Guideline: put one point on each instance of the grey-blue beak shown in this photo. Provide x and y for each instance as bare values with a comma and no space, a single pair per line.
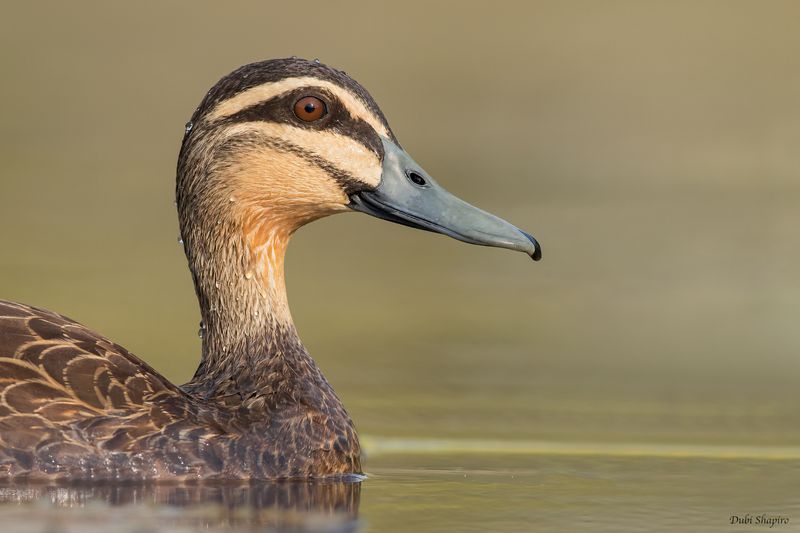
408,195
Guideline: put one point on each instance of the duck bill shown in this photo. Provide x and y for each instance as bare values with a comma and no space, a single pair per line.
408,195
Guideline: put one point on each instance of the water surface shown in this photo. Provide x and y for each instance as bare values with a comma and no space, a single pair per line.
444,491
642,376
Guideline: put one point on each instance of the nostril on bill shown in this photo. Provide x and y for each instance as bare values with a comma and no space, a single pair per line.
416,178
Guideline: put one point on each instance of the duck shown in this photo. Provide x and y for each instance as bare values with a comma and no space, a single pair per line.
273,146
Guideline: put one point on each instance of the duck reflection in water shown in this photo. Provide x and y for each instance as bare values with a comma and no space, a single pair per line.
331,505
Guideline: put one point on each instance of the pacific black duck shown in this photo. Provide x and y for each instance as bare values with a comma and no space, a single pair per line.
272,146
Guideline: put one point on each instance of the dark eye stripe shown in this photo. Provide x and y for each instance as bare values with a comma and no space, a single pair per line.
275,70
280,109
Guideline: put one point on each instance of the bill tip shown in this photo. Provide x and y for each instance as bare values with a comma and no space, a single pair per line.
537,248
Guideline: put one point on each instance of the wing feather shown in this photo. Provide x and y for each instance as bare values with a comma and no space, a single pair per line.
76,363
71,398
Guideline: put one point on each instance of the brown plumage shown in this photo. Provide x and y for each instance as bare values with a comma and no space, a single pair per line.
252,169
77,406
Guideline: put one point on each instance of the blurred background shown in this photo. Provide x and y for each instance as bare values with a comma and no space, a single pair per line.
652,147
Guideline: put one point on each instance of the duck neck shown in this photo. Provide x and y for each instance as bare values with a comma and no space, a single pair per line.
251,354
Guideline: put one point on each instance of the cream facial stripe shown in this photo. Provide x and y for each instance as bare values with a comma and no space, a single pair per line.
341,151
267,91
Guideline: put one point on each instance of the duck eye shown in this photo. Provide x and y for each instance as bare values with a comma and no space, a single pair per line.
310,108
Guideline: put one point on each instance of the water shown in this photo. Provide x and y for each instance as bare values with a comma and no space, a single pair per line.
642,376
417,491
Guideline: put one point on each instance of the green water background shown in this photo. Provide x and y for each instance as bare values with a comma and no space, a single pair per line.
652,147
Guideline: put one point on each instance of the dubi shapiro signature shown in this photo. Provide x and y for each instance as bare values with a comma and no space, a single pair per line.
762,519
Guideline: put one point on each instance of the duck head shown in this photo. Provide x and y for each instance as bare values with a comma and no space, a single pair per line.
280,143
